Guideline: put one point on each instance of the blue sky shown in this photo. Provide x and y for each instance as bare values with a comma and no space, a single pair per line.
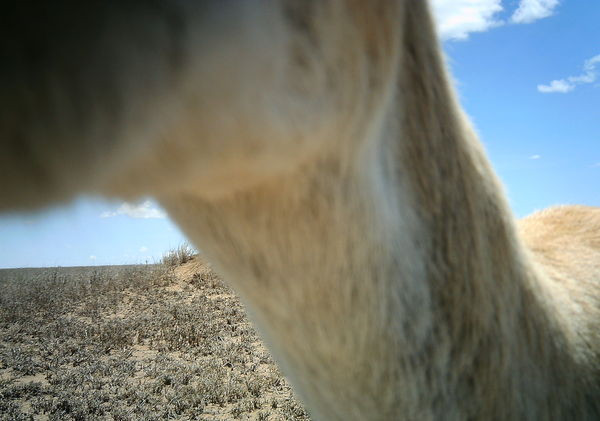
527,72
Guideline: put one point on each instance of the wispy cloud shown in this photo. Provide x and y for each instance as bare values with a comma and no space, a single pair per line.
535,157
532,10
142,210
596,165
92,257
561,86
457,18
143,249
589,75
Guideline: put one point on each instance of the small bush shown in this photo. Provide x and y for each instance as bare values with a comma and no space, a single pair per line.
182,254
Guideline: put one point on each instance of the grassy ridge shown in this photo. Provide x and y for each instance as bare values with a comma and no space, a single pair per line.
136,343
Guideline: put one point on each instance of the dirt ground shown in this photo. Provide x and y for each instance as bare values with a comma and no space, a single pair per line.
133,343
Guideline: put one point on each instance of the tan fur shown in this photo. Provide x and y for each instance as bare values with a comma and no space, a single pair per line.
316,153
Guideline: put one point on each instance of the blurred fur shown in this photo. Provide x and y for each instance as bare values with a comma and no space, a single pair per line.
316,153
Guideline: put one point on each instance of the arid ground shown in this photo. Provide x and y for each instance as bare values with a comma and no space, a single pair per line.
156,342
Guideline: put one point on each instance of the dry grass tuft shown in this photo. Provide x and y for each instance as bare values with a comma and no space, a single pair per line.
132,343
176,257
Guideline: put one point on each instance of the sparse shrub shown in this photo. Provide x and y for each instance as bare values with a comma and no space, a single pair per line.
182,254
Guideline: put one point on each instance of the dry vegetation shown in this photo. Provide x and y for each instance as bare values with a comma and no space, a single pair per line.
134,343
182,254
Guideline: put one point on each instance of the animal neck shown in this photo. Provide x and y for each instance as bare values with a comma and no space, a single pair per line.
395,268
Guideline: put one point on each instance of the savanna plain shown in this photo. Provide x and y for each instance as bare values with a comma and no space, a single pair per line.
168,341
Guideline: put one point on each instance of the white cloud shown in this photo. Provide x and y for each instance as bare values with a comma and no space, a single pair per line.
142,210
532,10
535,157
561,86
92,257
589,75
143,249
457,18
108,214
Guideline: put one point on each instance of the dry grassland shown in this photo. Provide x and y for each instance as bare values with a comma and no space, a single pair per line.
133,343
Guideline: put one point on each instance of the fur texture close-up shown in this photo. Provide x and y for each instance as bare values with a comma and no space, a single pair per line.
315,151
